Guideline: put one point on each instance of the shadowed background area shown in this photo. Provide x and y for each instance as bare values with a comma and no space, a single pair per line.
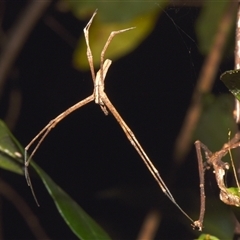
87,154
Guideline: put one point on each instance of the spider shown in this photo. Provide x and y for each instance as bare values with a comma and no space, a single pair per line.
101,98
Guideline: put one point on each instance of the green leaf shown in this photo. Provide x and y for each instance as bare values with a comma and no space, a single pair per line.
207,237
76,218
208,23
121,44
218,220
216,121
114,11
231,79
11,156
113,16
234,191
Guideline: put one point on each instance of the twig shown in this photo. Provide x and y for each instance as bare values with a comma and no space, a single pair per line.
18,36
150,225
204,84
236,112
9,193
215,160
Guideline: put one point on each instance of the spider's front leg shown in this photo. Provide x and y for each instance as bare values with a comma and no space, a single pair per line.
98,80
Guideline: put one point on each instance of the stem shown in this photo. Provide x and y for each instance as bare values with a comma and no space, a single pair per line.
237,62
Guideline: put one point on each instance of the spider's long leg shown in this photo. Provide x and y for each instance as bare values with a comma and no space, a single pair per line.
131,137
104,65
29,183
99,83
89,52
44,132
201,170
102,99
111,36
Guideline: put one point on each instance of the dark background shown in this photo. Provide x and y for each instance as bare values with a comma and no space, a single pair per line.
87,154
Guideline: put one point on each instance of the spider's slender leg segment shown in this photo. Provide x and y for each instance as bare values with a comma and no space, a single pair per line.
201,171
89,52
111,36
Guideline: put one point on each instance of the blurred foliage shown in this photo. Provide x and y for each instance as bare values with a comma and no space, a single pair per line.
114,15
234,191
121,44
10,156
208,23
75,217
114,11
216,121
214,125
231,80
219,220
207,237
